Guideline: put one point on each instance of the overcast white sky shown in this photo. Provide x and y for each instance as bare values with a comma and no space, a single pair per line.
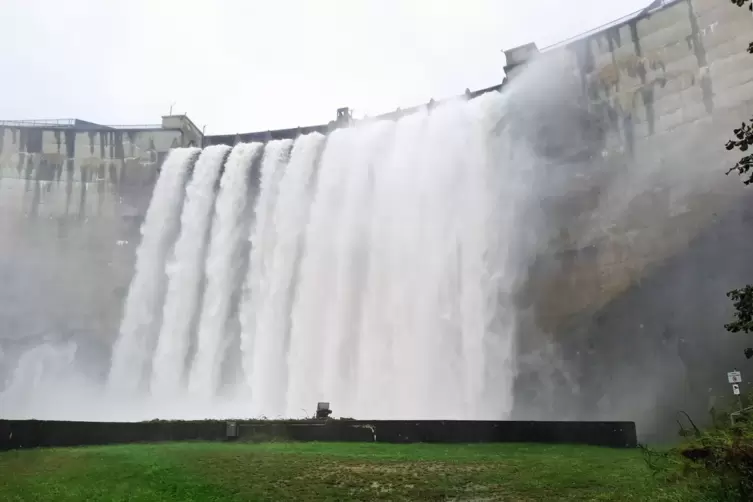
246,65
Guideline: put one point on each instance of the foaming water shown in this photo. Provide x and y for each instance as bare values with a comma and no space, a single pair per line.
262,239
45,368
381,269
222,268
185,273
132,350
267,373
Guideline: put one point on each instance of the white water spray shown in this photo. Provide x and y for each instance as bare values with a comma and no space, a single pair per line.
46,368
133,348
325,319
222,268
380,278
185,273
268,376
263,238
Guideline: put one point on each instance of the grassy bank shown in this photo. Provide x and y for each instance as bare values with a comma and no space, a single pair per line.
331,471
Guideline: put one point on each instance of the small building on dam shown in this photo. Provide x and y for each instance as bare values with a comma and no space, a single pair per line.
622,309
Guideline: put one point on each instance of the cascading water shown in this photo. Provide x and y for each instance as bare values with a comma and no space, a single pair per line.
379,277
267,372
46,366
262,240
185,274
132,350
222,267
321,313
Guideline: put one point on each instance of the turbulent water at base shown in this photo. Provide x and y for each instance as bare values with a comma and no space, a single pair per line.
372,268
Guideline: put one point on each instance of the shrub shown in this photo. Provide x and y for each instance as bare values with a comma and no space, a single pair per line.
722,458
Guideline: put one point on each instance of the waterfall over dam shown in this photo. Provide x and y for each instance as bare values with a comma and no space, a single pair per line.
557,250
372,268
376,277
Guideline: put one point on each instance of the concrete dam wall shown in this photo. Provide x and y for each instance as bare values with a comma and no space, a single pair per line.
650,234
72,197
667,88
625,287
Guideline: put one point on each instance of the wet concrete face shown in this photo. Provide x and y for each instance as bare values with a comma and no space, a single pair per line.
625,305
62,268
70,144
658,347
695,42
118,151
92,139
556,119
70,227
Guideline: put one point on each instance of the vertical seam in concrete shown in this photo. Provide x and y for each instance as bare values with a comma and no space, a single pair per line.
102,144
700,54
614,60
22,154
636,39
628,123
647,90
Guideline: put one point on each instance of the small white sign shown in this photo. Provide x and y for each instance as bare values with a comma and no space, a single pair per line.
735,389
734,377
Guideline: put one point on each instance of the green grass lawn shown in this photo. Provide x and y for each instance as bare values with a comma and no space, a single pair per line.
331,471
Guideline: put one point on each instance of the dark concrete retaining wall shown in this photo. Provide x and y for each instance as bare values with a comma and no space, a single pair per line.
33,433
614,434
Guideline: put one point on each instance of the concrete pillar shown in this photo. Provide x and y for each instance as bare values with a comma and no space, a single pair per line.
343,116
517,57
190,132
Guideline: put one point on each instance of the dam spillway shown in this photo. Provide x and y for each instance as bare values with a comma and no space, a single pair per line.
370,268
606,240
375,277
